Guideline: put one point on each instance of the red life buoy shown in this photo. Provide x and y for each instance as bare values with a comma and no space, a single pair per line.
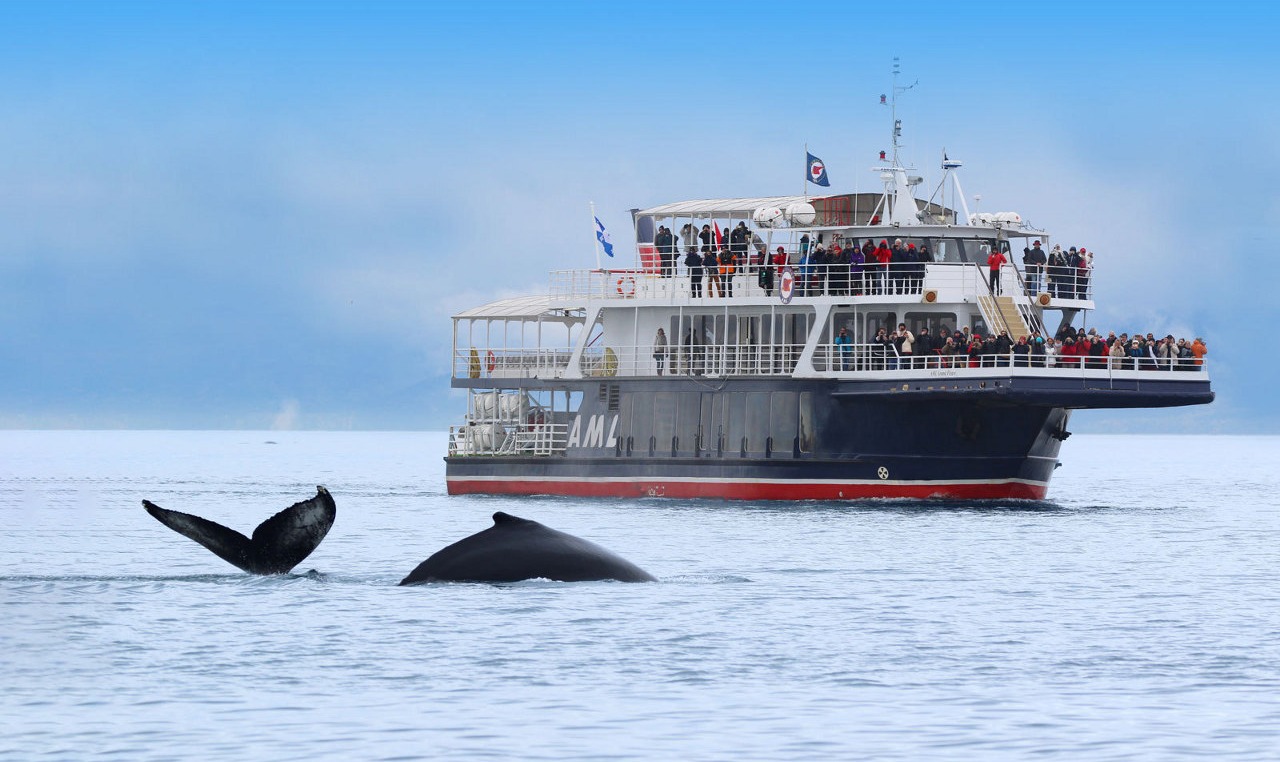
626,286
490,360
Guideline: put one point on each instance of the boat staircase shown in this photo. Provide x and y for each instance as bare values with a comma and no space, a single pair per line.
1002,313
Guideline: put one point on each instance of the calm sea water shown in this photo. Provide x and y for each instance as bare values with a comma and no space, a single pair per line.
1136,615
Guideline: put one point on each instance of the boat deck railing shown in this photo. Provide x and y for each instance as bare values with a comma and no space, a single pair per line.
489,437
952,282
827,360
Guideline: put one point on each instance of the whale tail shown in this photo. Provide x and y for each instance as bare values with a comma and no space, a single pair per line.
278,544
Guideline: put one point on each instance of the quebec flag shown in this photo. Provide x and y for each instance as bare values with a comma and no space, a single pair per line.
602,236
817,171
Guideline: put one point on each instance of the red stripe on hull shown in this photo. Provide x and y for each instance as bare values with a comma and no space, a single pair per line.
750,490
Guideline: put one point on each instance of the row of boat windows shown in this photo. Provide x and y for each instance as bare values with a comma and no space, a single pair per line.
701,423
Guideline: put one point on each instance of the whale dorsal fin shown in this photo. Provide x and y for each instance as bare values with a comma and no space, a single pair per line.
501,518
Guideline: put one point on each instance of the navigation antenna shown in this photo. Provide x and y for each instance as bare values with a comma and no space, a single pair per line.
893,107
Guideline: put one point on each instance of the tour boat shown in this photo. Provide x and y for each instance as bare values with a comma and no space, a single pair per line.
756,394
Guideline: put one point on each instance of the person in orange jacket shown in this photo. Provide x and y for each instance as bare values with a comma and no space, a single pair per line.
1198,350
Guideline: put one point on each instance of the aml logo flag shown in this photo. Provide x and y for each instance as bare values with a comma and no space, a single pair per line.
817,173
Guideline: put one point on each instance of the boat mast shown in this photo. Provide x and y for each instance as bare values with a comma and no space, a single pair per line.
897,186
893,109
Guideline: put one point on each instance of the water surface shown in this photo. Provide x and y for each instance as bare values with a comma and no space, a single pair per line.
1132,616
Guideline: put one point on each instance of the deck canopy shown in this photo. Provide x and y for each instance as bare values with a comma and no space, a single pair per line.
722,207
837,210
526,308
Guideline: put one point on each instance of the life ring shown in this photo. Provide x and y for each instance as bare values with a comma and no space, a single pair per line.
490,361
930,296
626,287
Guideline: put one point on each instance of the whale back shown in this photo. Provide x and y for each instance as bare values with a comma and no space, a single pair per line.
515,549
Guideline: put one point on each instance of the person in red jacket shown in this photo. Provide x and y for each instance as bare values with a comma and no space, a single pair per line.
1069,354
995,262
883,255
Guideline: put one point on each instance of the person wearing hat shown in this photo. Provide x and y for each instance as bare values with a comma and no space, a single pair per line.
1033,262
857,265
1116,355
1072,273
1057,271
974,351
882,254
1083,271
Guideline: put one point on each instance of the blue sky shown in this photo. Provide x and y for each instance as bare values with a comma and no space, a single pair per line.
223,215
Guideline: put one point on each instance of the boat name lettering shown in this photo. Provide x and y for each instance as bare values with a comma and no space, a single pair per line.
594,435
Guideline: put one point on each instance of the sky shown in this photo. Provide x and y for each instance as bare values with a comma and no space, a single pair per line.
262,215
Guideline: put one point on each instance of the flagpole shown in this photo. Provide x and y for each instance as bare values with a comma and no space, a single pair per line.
806,171
594,228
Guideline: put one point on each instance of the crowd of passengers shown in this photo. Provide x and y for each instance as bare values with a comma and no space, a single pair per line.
1071,347
712,259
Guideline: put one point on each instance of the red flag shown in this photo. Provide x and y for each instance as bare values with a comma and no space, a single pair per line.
716,229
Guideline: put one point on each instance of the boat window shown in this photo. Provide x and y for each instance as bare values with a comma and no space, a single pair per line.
877,320
783,420
806,422
977,250
979,326
624,418
757,421
946,250
931,320
688,414
736,417
713,408
664,417
848,321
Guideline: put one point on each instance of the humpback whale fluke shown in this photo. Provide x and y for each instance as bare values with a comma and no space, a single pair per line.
278,544
515,549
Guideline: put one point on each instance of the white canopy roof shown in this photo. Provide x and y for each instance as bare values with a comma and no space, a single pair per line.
529,308
721,207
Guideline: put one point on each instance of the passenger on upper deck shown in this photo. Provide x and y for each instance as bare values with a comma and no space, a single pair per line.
689,234
727,269
1057,271
856,263
693,261
711,268
1083,271
995,261
665,242
1198,350
897,266
1033,262
883,255
738,241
